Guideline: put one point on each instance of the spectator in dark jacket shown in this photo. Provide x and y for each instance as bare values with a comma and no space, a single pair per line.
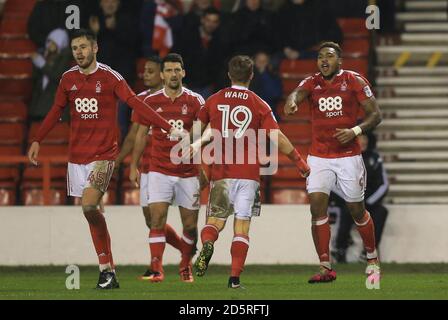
117,33
251,29
47,72
302,24
266,83
203,53
48,15
376,190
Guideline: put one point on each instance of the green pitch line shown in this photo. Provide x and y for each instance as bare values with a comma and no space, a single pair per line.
405,281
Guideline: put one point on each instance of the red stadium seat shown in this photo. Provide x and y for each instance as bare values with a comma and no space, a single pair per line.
13,112
289,196
22,48
13,27
356,48
16,88
353,27
57,171
297,69
11,150
60,134
7,193
12,133
359,65
32,193
16,67
9,172
19,6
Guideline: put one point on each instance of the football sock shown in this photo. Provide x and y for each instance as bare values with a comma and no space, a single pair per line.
209,233
366,230
188,243
320,229
172,238
157,242
238,250
101,239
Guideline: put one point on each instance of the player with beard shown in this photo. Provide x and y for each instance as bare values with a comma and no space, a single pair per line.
169,182
335,156
92,89
153,81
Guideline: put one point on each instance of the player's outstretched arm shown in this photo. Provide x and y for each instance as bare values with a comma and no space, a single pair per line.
137,151
128,145
294,99
204,139
285,146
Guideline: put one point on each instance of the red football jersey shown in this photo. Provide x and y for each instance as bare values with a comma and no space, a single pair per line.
334,105
180,113
146,157
237,109
93,102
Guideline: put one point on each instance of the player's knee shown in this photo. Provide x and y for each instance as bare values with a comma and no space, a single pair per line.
318,210
89,209
190,228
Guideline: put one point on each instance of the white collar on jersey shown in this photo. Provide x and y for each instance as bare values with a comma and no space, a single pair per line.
164,93
91,72
239,87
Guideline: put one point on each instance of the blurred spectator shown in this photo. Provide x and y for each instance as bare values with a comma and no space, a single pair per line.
251,29
302,24
203,53
117,33
266,83
48,69
160,24
376,190
48,15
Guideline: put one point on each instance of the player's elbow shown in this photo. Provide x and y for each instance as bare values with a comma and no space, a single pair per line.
378,118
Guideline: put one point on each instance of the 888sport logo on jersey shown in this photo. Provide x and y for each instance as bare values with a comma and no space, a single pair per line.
332,106
88,108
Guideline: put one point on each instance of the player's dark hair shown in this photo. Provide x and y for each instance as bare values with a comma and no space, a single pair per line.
173,57
155,59
79,33
241,68
211,10
333,45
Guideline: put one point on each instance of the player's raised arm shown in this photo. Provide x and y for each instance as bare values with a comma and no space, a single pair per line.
294,99
137,151
372,112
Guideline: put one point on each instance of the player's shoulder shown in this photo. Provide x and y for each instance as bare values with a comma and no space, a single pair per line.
74,71
310,79
355,76
194,95
109,71
154,95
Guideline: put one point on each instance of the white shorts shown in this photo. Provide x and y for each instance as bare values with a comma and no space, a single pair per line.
144,197
185,192
239,196
346,176
96,174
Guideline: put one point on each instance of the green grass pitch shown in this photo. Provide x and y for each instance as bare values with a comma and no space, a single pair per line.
273,282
